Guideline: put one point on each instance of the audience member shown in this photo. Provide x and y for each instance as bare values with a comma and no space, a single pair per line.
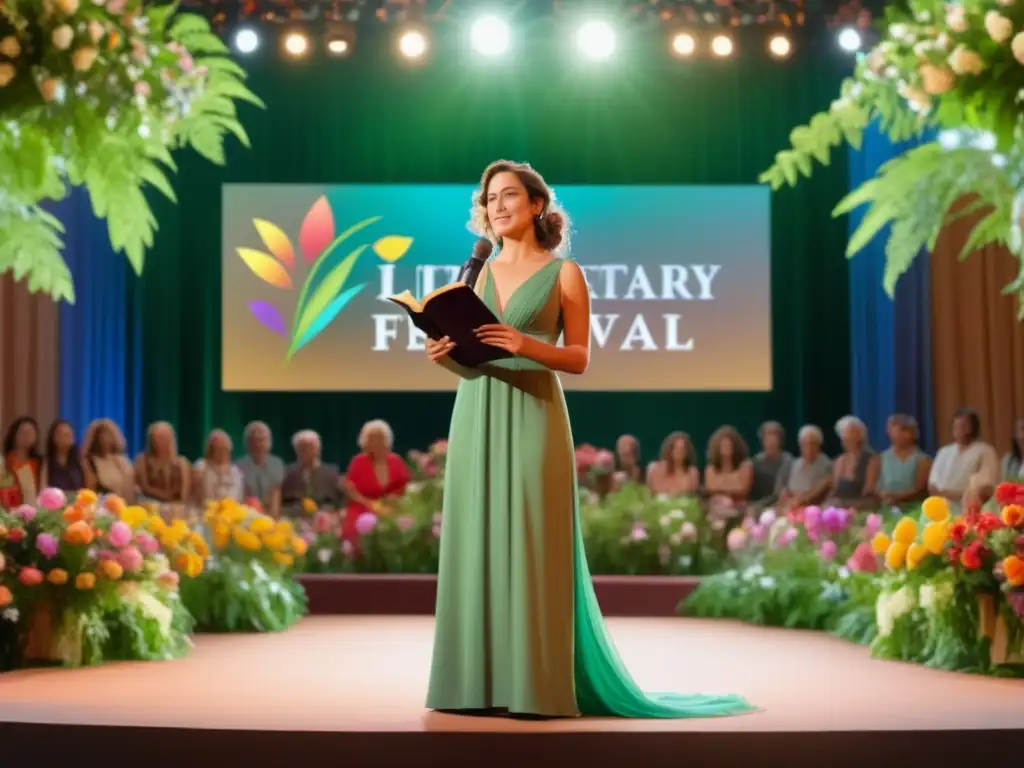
161,474
62,463
1013,462
263,471
728,476
107,469
309,478
376,477
771,466
855,472
675,473
810,477
904,474
22,458
967,470
216,478
627,457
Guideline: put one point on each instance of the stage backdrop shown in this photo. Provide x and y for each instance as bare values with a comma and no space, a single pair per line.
680,293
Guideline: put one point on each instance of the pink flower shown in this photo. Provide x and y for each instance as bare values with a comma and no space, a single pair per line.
47,545
437,518
52,498
873,524
688,532
439,448
785,538
116,6
863,559
106,554
405,522
736,540
147,543
30,577
639,532
120,534
365,523
168,579
142,88
27,512
828,550
811,516
347,549
757,531
323,522
436,530
130,558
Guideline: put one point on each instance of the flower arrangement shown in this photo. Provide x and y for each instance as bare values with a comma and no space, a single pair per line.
91,580
248,584
955,67
98,93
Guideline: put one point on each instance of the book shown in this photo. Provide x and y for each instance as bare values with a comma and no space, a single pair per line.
455,311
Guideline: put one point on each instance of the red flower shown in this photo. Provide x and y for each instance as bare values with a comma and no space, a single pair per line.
1009,493
15,535
971,557
958,530
988,523
954,555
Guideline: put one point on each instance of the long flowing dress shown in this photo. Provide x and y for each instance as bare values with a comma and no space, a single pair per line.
518,627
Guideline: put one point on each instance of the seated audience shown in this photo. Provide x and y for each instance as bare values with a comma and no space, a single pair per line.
728,476
855,472
810,477
62,463
1013,463
107,469
161,474
627,456
376,477
967,470
309,478
904,474
675,473
771,465
263,472
22,459
216,478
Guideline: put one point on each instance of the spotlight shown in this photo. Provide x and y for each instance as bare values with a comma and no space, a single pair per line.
721,46
412,44
489,36
850,40
339,39
683,44
296,44
779,46
596,40
246,41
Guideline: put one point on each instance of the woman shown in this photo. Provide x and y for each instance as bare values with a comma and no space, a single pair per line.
856,470
22,458
216,478
107,469
810,478
375,478
162,475
1013,462
904,467
627,456
518,627
62,466
675,473
728,477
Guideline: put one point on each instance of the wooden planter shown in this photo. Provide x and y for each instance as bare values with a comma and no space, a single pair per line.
40,644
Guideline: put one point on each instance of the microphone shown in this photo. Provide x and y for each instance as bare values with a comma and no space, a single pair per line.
471,269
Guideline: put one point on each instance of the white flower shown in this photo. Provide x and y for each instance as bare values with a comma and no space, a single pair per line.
767,582
10,47
665,521
956,18
964,61
688,531
675,539
1017,46
62,37
685,561
717,525
898,31
10,614
83,58
677,514
999,27
323,555
943,41
843,573
7,74
768,517
95,31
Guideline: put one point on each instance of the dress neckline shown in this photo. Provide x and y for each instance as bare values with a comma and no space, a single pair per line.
494,285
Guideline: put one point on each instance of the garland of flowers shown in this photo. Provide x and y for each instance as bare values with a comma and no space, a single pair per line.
955,66
99,93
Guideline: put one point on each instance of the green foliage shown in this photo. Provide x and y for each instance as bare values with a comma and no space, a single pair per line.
243,596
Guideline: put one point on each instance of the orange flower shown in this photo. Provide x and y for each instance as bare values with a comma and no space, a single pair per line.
6,598
78,532
86,497
308,506
111,569
74,513
299,546
57,576
1013,569
85,581
283,559
115,504
1013,515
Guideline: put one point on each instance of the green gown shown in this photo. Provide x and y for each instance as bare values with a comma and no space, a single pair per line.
518,627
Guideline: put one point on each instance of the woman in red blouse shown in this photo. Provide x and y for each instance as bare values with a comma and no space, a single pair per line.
374,478
22,459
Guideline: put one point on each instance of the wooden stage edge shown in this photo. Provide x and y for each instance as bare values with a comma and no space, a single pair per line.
414,594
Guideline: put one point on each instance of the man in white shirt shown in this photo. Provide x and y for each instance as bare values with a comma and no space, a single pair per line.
968,469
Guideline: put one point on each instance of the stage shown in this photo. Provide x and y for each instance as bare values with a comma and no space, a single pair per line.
351,690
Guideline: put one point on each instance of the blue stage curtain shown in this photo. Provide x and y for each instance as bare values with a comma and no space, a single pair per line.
890,339
100,334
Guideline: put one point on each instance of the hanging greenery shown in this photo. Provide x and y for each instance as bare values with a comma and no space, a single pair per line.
99,93
956,67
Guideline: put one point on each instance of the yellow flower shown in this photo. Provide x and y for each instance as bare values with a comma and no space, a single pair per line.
199,544
85,498
57,576
111,569
261,525
916,553
935,536
896,555
189,564
275,542
85,581
880,544
233,513
156,525
299,546
247,540
308,506
221,534
285,527
134,516
936,509
283,559
905,531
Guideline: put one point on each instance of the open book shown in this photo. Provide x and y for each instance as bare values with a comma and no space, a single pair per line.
454,311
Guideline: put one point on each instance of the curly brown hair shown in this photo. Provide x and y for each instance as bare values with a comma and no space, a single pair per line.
551,226
740,451
689,452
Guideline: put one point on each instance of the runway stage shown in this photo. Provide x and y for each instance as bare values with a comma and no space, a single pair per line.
350,690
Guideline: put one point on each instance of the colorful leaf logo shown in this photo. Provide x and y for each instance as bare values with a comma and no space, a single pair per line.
323,294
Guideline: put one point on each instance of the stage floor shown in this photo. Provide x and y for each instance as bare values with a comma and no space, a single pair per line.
369,674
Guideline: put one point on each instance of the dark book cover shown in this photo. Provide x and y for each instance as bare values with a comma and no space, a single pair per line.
454,311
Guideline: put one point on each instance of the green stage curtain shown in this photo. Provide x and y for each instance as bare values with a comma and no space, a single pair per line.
635,120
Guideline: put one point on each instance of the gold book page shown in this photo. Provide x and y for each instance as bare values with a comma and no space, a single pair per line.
441,290
407,299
